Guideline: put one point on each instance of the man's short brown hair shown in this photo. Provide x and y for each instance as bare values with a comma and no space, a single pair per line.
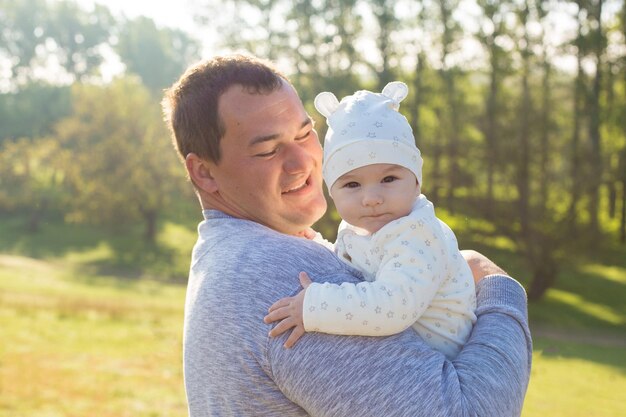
190,106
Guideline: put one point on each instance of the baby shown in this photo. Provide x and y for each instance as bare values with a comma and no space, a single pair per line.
415,275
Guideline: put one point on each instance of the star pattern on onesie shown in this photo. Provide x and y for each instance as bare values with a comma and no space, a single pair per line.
412,245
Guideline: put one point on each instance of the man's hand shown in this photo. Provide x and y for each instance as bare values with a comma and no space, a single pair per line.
480,265
289,311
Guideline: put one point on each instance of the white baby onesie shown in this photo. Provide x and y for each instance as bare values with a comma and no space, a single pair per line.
415,276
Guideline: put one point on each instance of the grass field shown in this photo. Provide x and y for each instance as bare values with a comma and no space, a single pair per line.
84,335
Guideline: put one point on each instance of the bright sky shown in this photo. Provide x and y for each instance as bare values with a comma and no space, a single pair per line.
179,14
164,13
173,13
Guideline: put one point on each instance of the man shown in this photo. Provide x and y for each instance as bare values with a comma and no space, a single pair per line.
255,161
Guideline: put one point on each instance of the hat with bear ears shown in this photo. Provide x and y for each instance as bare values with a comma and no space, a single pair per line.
366,128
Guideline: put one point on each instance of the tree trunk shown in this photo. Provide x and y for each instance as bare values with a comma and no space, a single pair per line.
545,138
383,10
545,273
622,168
612,110
36,214
417,102
435,182
622,238
575,167
612,198
150,218
453,129
491,130
594,128
453,140
493,14
523,168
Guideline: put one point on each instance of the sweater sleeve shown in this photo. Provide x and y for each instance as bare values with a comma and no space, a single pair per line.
400,375
411,271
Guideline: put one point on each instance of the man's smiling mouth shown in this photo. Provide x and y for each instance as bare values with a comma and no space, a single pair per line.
297,188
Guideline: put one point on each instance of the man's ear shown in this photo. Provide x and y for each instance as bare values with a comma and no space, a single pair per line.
199,172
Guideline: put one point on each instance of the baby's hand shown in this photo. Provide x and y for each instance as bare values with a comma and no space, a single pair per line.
289,311
308,233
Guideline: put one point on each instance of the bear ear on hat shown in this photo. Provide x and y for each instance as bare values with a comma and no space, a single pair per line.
326,103
396,91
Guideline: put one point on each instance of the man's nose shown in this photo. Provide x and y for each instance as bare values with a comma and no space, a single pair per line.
297,160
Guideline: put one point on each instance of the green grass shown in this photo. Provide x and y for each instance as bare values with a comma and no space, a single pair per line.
92,324
77,344
119,250
576,380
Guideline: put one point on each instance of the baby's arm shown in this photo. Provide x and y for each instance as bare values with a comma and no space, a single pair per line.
411,272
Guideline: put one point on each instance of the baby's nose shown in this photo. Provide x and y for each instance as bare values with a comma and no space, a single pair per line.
372,198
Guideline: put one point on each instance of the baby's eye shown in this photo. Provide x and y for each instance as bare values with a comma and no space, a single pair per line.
389,178
351,184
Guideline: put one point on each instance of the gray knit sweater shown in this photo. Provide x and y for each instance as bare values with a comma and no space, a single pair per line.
232,368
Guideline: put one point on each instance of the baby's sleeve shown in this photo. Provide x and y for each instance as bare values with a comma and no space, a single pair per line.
410,273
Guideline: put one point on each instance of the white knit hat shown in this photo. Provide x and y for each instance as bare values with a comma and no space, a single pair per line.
366,128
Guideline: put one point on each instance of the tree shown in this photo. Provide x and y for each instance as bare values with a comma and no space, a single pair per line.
31,178
119,161
491,34
157,55
421,65
256,26
538,247
79,36
598,43
324,55
578,121
451,121
28,112
21,26
622,159
384,14
37,34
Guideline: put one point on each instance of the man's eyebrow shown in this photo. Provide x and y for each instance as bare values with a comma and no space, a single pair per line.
266,138
260,139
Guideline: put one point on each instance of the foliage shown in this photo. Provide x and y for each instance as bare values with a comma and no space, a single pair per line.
119,161
30,178
157,56
507,134
28,112
40,34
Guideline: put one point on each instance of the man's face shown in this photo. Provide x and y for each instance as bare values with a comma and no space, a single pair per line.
270,168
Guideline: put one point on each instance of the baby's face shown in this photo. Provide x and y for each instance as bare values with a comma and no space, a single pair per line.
371,196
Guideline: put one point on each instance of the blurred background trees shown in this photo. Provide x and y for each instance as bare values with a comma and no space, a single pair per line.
519,107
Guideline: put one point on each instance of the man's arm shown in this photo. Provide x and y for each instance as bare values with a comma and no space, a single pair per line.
401,375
